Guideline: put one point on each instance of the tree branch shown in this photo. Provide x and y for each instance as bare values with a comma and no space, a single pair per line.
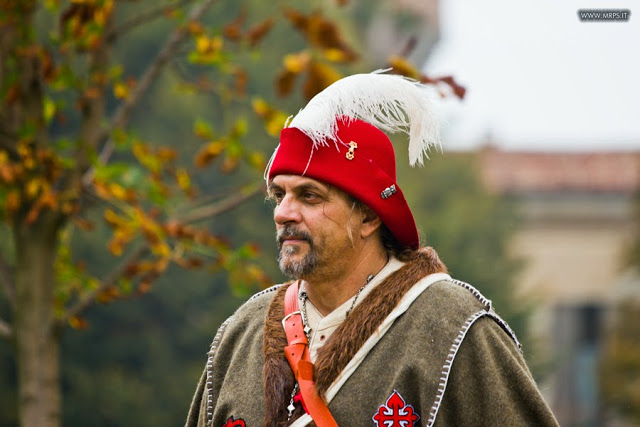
208,211
92,111
5,329
7,281
89,299
143,18
198,214
123,113
195,215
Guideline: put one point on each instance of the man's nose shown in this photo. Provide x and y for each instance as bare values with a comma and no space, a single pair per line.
288,210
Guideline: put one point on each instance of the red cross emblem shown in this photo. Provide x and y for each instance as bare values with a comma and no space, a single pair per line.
395,413
234,423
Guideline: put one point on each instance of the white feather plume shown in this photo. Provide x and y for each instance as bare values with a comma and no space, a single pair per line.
389,102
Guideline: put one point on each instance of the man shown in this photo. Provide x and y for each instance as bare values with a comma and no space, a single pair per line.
372,331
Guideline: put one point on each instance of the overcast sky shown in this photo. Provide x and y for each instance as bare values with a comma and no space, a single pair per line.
537,77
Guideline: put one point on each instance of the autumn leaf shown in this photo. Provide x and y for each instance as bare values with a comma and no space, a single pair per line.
48,109
35,186
457,89
77,322
209,153
257,33
285,81
206,45
202,129
144,155
70,208
118,191
321,33
12,201
256,160
260,107
132,270
173,228
83,224
166,154
336,55
257,274
230,163
273,119
195,28
108,295
183,179
207,49
189,263
320,76
113,219
7,169
240,81
145,284
49,199
403,67
92,92
48,68
233,30
121,237
249,250
297,62
12,94
120,90
161,249
161,265
101,14
76,15
33,213
299,20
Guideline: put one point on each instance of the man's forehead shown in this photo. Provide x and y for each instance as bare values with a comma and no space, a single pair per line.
297,181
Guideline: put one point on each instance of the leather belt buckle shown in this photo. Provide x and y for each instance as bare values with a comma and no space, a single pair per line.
287,318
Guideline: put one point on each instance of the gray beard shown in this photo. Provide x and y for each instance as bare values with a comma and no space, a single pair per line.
296,269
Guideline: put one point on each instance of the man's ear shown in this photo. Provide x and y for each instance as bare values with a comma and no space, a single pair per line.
370,223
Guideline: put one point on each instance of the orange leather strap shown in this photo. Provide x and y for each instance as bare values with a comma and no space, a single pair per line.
297,354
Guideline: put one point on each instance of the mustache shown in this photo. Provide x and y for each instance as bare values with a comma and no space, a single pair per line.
289,231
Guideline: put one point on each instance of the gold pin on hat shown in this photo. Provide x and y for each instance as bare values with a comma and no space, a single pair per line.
351,152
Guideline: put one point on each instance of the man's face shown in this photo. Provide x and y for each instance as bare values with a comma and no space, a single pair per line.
315,224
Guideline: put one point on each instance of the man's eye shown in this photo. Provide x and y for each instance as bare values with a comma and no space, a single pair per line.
277,196
310,196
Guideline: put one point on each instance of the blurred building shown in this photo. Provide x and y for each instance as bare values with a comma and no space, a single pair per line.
578,220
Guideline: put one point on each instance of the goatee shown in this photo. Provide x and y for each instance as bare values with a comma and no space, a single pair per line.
292,268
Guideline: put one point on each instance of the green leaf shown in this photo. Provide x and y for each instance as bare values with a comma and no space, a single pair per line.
133,176
203,129
240,128
49,109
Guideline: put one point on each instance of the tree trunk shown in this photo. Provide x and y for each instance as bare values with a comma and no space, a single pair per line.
37,340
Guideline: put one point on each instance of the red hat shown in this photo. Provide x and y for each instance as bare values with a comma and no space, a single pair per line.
326,142
367,171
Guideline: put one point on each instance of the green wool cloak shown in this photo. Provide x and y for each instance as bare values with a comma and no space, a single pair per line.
421,348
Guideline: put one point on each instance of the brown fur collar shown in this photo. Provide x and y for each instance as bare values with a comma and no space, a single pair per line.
278,379
277,376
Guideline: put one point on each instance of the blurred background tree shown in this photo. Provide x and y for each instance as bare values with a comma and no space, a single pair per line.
620,362
72,83
133,136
